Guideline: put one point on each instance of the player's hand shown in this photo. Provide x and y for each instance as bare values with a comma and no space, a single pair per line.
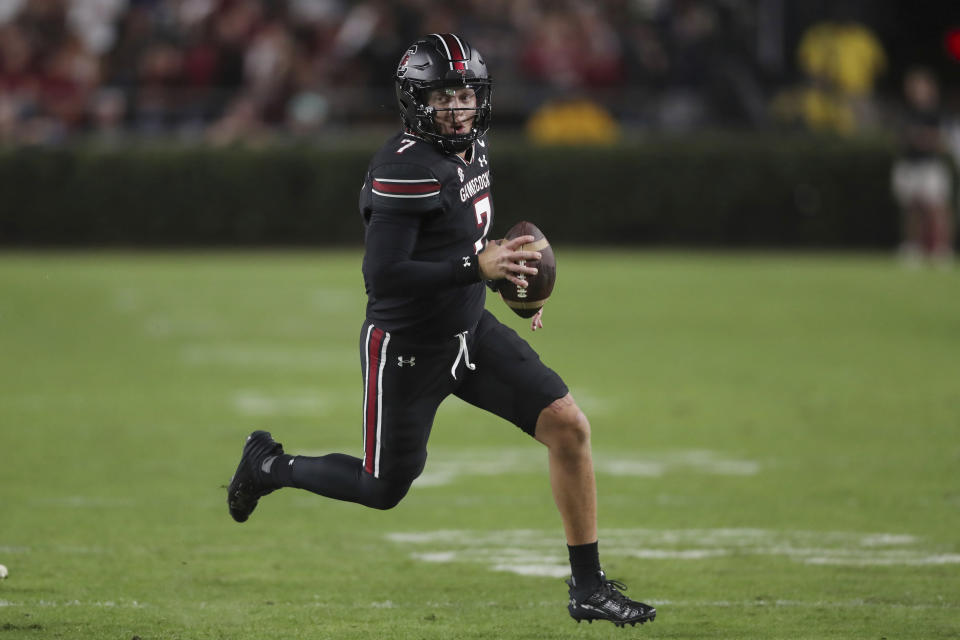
503,260
536,322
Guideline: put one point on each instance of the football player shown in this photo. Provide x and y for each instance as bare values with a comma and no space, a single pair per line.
427,206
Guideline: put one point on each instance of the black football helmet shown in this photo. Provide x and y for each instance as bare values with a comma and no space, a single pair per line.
441,61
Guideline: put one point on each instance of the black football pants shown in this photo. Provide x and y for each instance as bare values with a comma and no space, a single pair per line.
405,381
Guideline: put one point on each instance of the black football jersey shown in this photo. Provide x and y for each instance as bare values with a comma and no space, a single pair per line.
427,214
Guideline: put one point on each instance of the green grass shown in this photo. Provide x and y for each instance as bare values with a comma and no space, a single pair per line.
777,440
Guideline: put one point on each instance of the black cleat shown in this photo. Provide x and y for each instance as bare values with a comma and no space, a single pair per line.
607,603
248,485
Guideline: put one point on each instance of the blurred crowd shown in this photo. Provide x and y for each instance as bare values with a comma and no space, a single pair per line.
223,70
251,71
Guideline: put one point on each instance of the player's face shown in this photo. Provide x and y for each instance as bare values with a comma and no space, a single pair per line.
463,100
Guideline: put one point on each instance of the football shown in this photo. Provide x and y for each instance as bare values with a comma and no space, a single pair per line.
526,301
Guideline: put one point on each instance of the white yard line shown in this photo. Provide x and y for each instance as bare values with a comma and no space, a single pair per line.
537,553
447,465
267,356
303,402
107,604
549,604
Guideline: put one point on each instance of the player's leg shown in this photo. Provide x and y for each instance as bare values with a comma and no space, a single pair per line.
512,382
399,404
559,424
403,386
264,468
565,431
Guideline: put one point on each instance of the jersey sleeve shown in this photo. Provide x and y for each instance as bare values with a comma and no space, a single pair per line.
404,189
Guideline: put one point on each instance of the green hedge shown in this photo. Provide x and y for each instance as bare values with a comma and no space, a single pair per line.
723,191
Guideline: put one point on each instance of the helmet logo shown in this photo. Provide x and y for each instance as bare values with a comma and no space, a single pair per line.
402,67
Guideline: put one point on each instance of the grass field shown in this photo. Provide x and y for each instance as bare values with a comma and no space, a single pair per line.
777,440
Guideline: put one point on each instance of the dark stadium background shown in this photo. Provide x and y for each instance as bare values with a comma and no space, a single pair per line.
220,122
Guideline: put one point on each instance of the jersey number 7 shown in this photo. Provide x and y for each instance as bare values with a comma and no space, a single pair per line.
481,207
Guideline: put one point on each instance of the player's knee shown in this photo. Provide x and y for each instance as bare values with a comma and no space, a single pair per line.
576,428
388,495
563,426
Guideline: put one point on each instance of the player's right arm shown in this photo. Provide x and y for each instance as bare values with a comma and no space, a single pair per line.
401,197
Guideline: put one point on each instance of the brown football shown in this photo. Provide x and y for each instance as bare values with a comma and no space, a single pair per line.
526,301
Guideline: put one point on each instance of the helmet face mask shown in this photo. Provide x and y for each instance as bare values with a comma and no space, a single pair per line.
442,61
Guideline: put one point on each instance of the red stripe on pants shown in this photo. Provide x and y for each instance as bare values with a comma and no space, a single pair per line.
373,370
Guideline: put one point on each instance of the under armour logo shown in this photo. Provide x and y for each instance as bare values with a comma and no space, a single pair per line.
460,173
483,160
466,261
410,362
